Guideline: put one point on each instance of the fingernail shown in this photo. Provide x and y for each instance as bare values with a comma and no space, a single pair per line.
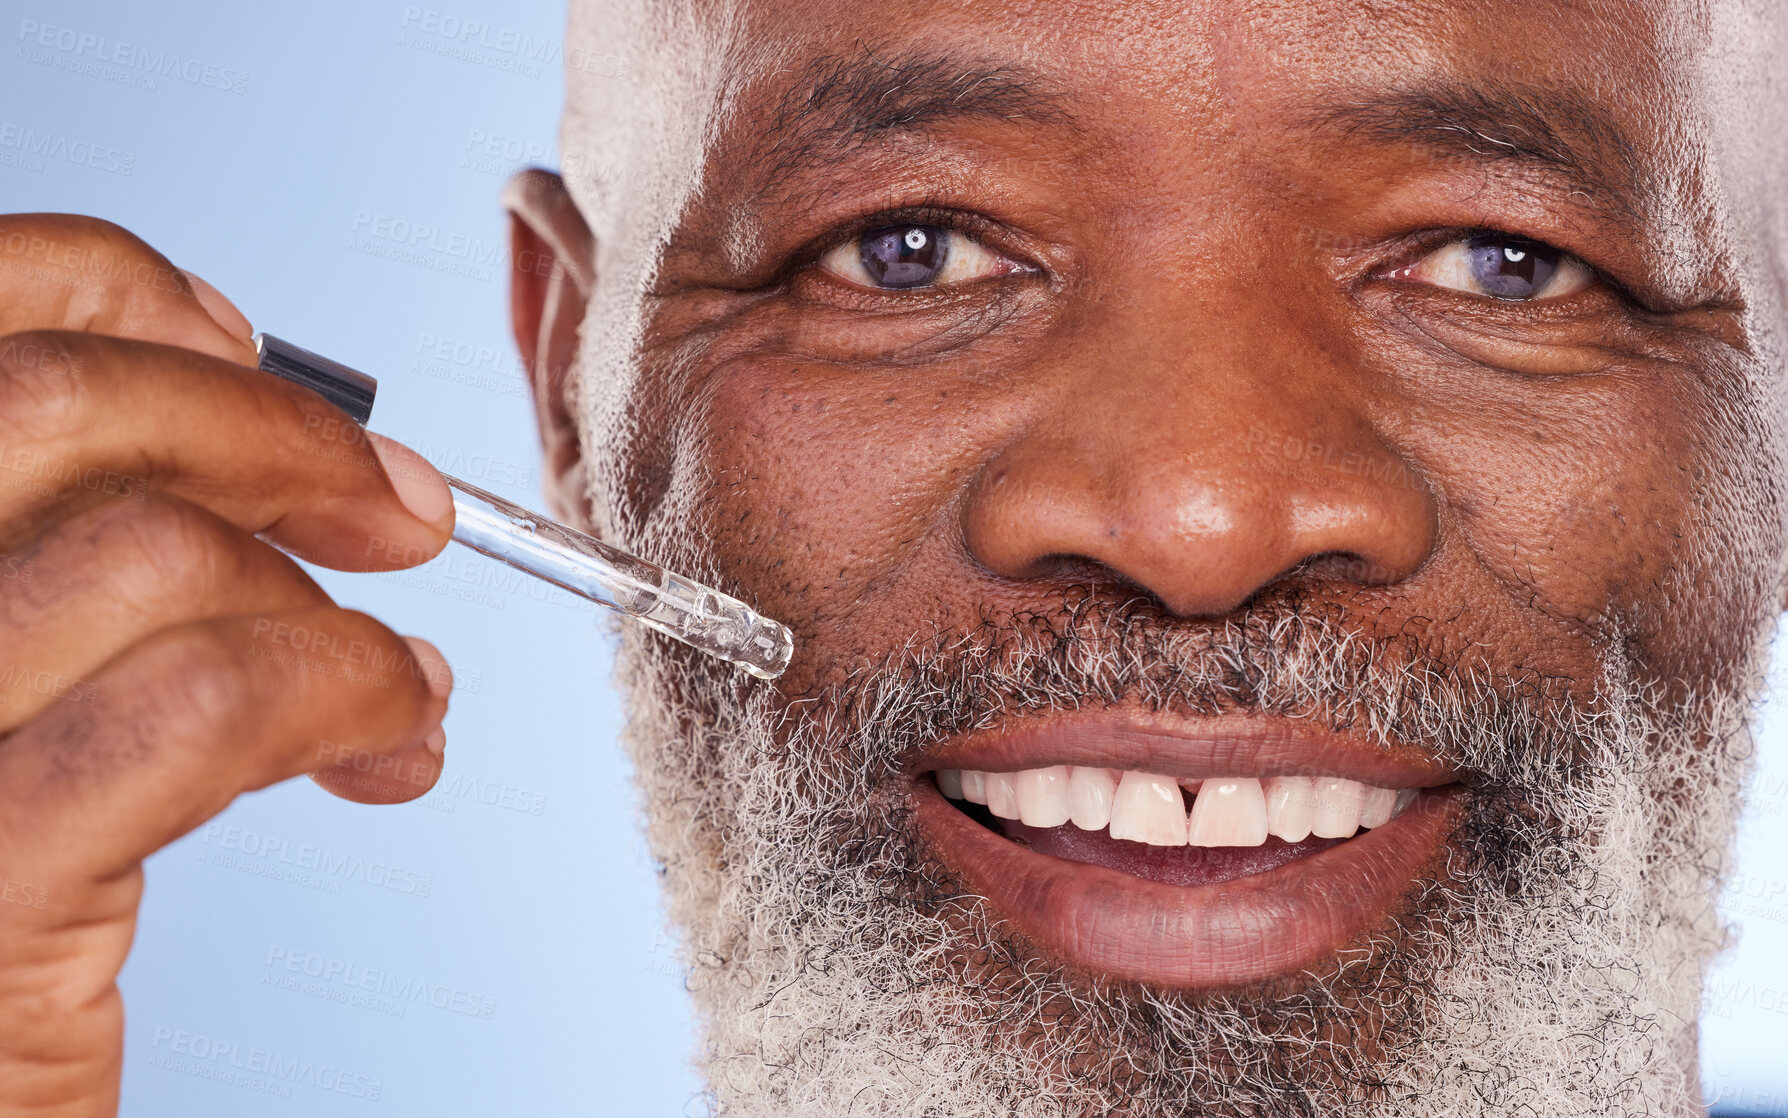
431,666
222,311
419,485
436,742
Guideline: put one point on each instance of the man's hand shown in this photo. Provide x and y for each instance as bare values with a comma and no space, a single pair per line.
157,658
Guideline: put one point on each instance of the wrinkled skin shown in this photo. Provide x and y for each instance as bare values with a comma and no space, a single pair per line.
1208,380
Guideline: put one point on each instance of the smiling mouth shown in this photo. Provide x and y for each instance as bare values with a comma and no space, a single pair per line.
1186,832
1130,848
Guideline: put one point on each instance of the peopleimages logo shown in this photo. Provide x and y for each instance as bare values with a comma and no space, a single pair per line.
494,153
349,978
430,246
27,147
253,1068
500,48
480,469
83,52
306,863
477,366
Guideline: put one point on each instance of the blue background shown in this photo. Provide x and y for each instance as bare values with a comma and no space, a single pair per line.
496,948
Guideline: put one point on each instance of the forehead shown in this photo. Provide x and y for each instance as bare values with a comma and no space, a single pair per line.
1205,66
742,67
1138,38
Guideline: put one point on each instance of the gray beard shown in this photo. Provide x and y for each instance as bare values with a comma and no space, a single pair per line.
838,968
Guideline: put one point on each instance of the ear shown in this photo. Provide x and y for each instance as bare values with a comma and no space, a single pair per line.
552,272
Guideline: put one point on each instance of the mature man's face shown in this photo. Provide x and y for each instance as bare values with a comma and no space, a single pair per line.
1217,392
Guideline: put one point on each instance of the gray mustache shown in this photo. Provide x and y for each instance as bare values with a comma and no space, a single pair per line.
1295,659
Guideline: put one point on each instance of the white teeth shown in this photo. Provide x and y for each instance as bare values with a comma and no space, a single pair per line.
1002,797
1043,796
1090,792
949,782
974,786
1338,804
1143,807
1229,813
1290,806
1377,808
1149,809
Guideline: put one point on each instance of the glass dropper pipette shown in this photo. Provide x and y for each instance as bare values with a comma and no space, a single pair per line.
678,607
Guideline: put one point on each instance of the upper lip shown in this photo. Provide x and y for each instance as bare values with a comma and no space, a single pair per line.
1198,747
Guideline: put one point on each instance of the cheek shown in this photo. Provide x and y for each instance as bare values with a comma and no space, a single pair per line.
1619,514
828,494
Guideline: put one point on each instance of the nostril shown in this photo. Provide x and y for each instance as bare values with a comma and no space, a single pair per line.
1066,570
1347,566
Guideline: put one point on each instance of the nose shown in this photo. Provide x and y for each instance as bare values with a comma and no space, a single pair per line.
1201,481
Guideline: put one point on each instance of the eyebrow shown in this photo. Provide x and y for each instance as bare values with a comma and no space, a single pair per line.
1558,133
837,102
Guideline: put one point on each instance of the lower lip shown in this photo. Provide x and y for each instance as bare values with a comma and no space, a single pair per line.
1246,930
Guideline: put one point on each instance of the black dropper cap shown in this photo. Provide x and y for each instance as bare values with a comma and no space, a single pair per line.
348,389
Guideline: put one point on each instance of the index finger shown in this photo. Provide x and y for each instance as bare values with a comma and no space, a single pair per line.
71,272
270,457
